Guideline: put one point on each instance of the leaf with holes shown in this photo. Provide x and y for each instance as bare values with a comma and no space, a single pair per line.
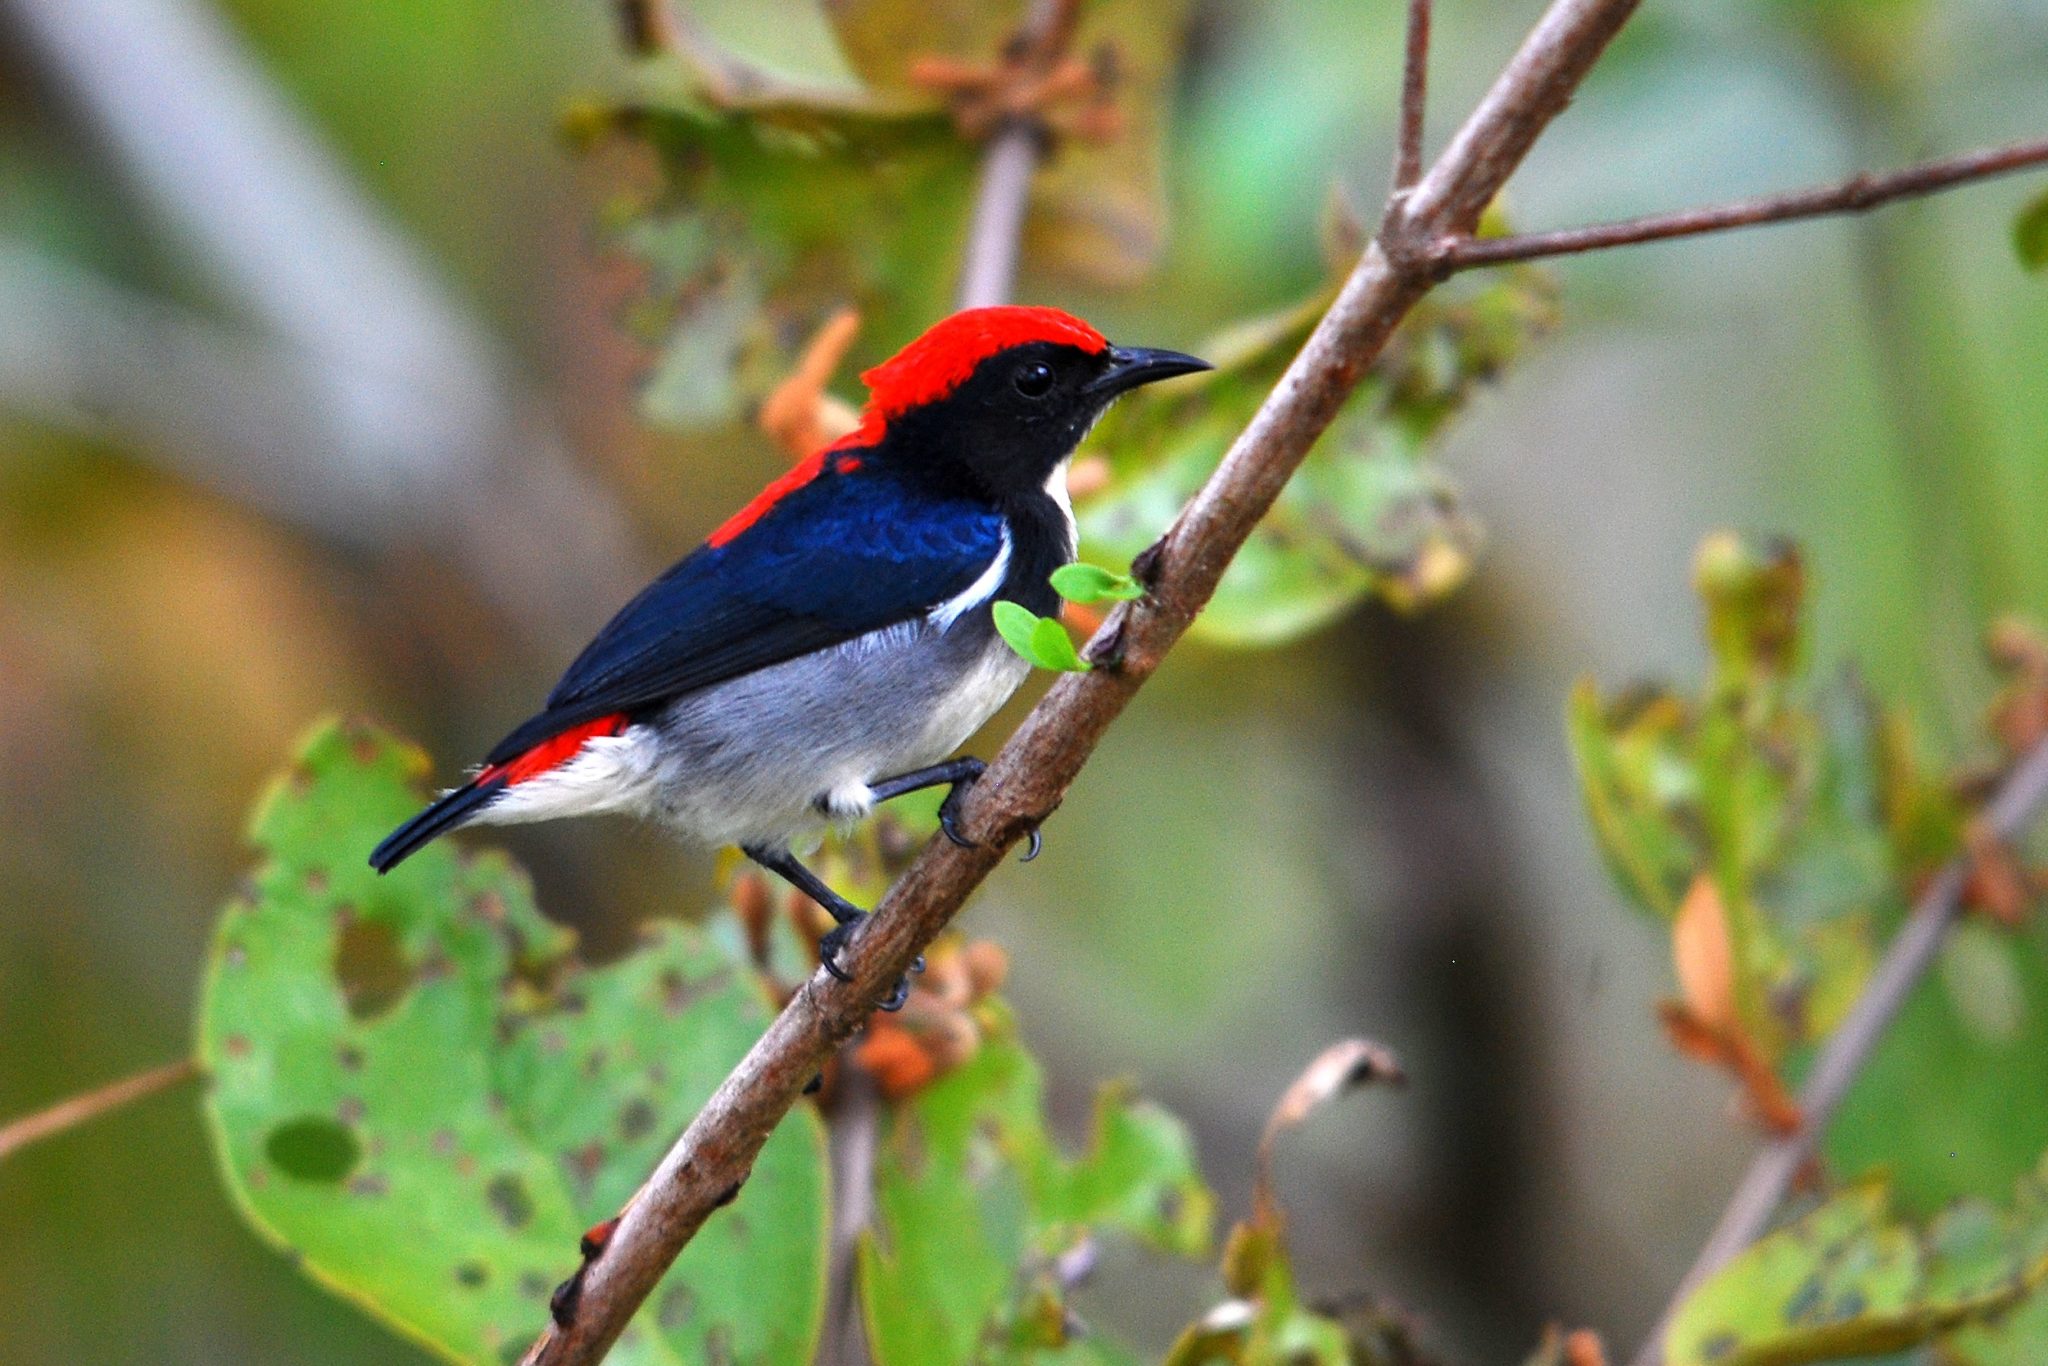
1847,1281
977,1210
421,1093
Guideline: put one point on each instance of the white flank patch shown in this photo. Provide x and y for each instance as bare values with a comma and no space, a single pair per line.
981,590
849,801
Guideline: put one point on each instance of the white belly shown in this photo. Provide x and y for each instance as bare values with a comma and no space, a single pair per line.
749,761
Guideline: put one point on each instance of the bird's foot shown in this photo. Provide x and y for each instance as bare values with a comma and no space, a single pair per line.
949,811
837,939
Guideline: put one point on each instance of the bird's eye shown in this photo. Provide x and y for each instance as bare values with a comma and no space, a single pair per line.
1034,380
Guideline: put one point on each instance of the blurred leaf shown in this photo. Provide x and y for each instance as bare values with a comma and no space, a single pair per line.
766,222
1637,780
1265,1322
1041,640
1947,1105
1367,514
1090,583
1098,208
1790,810
2030,234
1753,595
1977,969
1814,816
1846,1281
419,1092
976,1208
777,204
1877,44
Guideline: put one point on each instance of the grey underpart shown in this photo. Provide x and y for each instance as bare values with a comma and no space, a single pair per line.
771,757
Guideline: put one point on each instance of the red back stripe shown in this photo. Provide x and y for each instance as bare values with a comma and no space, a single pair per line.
799,474
551,753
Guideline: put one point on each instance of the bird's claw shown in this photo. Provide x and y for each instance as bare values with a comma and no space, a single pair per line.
949,815
949,809
836,940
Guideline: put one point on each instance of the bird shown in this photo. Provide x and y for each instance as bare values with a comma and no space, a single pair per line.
830,645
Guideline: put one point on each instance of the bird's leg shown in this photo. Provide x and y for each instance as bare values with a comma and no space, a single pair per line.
784,865
961,774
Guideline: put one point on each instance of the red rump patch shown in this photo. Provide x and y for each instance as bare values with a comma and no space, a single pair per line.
551,753
926,370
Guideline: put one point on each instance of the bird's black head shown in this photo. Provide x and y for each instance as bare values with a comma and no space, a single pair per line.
996,398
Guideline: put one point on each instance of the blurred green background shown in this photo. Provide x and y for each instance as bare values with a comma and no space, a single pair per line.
314,398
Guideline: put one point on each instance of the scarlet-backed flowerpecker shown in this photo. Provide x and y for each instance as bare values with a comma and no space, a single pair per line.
832,643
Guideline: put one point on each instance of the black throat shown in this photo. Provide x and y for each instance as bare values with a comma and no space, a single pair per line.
1041,540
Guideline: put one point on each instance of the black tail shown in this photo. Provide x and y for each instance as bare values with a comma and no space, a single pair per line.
437,820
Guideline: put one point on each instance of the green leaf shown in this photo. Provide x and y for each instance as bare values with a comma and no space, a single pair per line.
1041,640
1367,514
1846,1281
1090,583
975,1203
2030,234
1636,778
420,1093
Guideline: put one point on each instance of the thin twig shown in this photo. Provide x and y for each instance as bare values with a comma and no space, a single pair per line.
1414,97
1843,1056
855,1134
90,1105
988,273
710,1162
1855,195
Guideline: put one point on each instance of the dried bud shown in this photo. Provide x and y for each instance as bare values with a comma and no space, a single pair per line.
988,967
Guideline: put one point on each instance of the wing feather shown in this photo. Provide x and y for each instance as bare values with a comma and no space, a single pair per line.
832,559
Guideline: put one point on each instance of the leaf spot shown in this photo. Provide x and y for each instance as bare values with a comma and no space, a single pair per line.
636,1120
313,1148
675,1307
373,973
509,1200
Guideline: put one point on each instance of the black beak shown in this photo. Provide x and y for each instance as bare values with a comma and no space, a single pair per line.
1131,366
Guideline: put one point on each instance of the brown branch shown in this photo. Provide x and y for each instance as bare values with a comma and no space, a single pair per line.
1855,195
1024,784
90,1105
1842,1058
1414,97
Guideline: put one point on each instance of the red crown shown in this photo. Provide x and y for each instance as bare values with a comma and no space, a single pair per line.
936,363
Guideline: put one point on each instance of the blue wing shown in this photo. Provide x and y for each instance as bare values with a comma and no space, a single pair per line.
836,557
